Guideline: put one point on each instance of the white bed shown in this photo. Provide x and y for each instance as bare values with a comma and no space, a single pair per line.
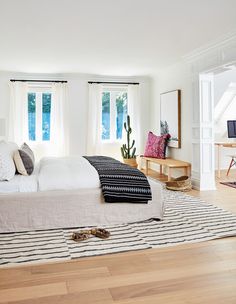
69,195
20,183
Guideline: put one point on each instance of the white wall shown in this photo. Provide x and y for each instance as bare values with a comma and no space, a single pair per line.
221,83
78,102
173,78
197,120
178,77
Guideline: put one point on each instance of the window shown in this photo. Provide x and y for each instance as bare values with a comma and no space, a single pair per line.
114,113
39,114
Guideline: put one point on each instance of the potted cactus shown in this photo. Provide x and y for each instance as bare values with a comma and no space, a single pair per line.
128,150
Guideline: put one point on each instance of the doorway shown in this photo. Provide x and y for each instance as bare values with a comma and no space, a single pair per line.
224,122
216,104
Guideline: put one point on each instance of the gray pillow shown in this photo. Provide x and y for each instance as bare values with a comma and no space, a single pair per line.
27,149
24,160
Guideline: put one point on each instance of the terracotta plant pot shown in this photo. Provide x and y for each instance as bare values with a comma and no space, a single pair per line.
131,162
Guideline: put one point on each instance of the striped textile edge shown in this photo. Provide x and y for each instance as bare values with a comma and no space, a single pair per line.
187,220
120,182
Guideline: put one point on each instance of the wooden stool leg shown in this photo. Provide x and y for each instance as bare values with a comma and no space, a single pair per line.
231,164
146,167
186,171
169,174
218,158
160,169
189,170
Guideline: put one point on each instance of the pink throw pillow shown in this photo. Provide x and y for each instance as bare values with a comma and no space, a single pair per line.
156,145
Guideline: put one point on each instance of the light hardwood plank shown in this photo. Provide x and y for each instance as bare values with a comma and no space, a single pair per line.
94,296
39,277
17,293
165,273
196,282
224,294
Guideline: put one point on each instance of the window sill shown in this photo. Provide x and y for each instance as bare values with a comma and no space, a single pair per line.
104,142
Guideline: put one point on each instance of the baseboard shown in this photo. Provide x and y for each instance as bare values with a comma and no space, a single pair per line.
195,183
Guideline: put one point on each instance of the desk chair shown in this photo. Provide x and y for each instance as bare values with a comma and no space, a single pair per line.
232,163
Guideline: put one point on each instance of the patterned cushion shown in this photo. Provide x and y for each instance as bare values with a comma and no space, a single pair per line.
156,145
7,167
24,160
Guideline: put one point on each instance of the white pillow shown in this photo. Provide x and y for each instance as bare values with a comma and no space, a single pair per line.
8,147
7,167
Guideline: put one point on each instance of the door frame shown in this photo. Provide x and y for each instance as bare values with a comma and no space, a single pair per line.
202,64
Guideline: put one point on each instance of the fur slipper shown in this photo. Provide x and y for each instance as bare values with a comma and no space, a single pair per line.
80,236
83,235
101,233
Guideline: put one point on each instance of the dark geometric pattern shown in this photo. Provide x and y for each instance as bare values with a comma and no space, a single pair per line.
120,182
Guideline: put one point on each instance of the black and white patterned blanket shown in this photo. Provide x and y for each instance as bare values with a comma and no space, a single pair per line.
120,182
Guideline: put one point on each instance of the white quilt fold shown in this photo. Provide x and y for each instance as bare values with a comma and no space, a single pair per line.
67,173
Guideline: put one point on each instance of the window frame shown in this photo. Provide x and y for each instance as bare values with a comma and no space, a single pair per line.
113,89
39,90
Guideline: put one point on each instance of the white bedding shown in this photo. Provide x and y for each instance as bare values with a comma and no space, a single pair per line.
20,183
70,196
67,173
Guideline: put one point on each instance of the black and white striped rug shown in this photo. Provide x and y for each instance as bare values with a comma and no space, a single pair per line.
187,220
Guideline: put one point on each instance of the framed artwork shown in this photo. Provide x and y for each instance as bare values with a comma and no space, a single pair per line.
170,120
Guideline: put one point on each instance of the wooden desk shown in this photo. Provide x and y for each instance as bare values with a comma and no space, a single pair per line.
219,146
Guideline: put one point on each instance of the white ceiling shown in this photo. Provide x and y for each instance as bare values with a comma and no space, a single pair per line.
122,37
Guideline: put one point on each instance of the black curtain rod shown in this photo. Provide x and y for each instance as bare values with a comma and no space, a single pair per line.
107,82
36,80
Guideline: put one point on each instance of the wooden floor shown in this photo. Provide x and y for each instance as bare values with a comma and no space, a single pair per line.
224,197
195,273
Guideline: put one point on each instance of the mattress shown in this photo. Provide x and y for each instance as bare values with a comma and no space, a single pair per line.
72,208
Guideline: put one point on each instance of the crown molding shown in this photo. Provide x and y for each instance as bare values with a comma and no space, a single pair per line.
218,43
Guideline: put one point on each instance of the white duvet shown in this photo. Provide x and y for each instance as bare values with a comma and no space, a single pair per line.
20,183
76,201
67,173
55,173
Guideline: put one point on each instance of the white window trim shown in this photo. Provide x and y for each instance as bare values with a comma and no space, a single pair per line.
113,89
38,89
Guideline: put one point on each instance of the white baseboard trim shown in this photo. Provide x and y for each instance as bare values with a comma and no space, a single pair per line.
197,186
195,183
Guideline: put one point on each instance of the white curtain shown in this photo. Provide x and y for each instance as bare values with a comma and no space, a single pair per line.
18,114
59,137
94,127
134,111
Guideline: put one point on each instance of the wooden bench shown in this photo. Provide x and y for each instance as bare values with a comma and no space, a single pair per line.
169,163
